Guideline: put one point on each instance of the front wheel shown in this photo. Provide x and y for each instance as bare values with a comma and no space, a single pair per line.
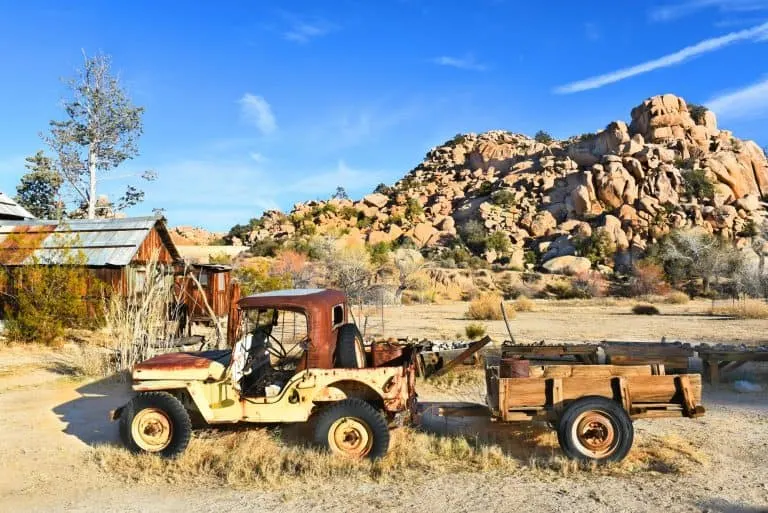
352,428
155,422
595,429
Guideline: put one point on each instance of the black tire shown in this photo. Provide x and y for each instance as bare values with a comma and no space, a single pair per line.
596,429
350,351
153,409
358,414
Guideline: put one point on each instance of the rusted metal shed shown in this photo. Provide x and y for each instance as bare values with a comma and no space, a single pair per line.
116,251
10,210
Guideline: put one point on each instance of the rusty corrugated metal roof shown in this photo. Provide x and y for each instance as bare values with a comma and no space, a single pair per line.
103,242
9,209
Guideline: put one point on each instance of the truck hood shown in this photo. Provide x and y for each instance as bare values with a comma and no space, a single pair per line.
198,366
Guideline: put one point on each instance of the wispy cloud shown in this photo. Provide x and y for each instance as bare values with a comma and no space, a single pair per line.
467,62
302,31
256,111
757,33
748,102
678,10
592,31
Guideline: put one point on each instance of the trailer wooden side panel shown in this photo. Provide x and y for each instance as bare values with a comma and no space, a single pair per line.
524,393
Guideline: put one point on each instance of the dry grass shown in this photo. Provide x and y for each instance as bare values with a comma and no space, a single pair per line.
458,378
258,458
487,307
645,310
474,330
746,309
524,304
677,297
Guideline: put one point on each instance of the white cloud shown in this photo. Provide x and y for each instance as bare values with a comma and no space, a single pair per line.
708,45
467,62
256,111
303,31
749,102
678,10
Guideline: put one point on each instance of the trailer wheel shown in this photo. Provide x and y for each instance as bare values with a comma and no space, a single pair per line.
352,428
595,429
350,352
155,422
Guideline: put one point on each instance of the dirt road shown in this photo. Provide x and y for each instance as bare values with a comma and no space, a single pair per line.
50,422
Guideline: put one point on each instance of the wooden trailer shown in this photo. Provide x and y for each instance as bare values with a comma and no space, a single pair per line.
591,406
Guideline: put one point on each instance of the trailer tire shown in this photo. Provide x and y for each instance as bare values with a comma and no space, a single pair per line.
157,423
595,428
350,351
352,428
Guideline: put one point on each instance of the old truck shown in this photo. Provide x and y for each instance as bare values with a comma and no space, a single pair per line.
296,357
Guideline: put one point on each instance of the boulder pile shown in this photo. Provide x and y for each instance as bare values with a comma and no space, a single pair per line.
632,184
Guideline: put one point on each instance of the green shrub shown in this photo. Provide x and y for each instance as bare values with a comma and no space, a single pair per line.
697,184
474,235
257,277
485,188
562,290
266,247
504,198
498,241
364,221
413,209
380,252
697,112
543,137
474,330
598,247
348,212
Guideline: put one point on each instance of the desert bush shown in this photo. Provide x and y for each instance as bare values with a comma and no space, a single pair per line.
499,242
561,290
589,284
697,185
413,209
697,112
48,296
543,137
643,309
266,247
743,309
474,330
676,297
524,304
647,279
380,253
598,247
257,276
364,221
504,198
487,307
474,235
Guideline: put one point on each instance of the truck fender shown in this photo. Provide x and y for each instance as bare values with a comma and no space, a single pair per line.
346,389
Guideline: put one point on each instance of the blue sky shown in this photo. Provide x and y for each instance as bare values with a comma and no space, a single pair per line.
254,105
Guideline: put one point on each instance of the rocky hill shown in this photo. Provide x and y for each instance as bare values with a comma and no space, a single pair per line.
536,199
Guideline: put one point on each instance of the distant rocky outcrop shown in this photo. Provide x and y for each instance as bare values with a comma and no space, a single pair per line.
631,184
193,236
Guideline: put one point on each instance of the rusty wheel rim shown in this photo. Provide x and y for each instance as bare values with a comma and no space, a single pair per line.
152,429
350,436
594,434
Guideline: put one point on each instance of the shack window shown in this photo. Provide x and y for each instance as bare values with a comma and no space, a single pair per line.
338,315
203,278
220,285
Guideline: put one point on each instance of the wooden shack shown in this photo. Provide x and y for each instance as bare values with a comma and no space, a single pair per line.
213,292
115,251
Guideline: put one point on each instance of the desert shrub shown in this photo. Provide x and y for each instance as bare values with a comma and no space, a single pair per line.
647,279
498,241
380,253
598,247
259,277
543,137
644,309
697,112
266,247
561,290
743,309
384,189
485,188
413,209
364,221
348,212
48,296
676,297
474,330
504,198
524,304
474,235
487,307
219,258
697,184
589,284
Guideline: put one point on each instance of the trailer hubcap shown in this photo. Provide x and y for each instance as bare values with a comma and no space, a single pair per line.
152,430
595,434
350,436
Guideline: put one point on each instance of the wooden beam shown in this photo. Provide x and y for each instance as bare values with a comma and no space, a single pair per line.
472,349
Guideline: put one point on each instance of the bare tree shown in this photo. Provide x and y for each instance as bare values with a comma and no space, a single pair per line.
408,262
99,133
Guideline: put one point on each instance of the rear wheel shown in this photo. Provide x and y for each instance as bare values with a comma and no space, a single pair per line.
350,351
155,422
595,429
352,428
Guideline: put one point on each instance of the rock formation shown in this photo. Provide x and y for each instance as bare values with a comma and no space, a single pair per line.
634,183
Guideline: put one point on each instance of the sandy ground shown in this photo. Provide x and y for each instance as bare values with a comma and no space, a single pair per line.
50,421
